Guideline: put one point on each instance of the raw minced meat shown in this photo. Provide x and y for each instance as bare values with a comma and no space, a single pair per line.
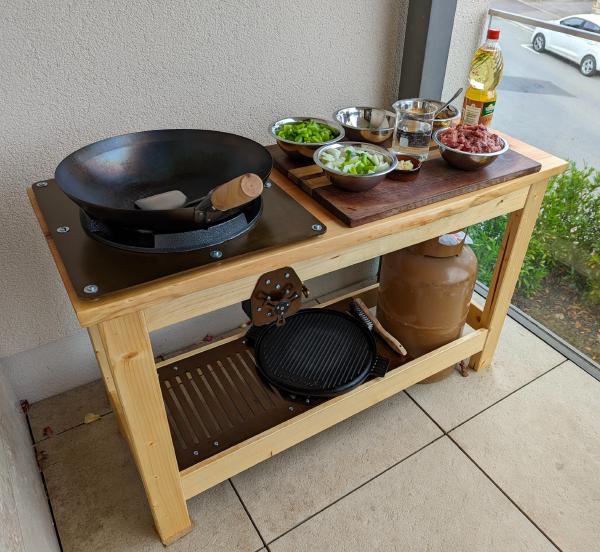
472,139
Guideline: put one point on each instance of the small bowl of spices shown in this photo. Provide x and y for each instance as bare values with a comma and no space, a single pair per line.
407,169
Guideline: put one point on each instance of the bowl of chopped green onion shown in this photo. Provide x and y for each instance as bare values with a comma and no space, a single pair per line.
302,136
355,166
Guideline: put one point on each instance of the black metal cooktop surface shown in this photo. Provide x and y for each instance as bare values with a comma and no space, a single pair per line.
96,268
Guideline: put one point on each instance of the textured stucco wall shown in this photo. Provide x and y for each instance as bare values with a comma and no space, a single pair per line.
470,22
75,72
25,521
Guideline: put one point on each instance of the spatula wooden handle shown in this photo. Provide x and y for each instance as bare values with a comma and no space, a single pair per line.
394,344
237,192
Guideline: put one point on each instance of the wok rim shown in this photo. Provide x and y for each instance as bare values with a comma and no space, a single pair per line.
90,150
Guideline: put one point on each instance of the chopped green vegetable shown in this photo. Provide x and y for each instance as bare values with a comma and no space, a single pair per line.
307,132
352,160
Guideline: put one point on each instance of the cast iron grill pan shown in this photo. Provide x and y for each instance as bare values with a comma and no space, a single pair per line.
317,352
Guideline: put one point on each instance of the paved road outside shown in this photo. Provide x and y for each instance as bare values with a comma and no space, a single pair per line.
544,100
544,9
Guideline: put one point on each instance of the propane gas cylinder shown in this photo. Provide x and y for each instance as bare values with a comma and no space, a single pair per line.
424,294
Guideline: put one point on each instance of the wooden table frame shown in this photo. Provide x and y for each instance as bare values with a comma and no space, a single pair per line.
119,327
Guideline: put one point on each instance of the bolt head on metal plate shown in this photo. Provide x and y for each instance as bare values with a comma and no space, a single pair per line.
317,227
216,254
42,184
63,229
268,184
90,289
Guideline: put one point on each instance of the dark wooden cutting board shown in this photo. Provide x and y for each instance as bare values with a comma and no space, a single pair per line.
437,181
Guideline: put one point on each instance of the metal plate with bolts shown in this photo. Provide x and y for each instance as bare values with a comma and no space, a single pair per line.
89,262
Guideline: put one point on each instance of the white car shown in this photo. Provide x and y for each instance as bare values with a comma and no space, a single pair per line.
586,53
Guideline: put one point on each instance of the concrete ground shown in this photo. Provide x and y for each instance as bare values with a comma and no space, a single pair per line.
507,459
544,9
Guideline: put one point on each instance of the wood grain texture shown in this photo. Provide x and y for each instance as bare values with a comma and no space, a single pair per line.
456,216
109,383
237,192
437,181
127,347
506,272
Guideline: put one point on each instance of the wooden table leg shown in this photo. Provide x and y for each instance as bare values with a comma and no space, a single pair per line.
98,345
129,354
506,272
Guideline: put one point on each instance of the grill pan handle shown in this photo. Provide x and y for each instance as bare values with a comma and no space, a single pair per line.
380,367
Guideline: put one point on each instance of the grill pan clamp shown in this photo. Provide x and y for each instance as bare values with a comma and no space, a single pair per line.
277,295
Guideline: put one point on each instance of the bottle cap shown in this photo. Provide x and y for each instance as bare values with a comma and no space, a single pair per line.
494,34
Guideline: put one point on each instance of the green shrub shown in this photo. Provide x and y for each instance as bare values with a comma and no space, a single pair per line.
567,233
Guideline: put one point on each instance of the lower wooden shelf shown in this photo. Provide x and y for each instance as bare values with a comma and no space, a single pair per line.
224,418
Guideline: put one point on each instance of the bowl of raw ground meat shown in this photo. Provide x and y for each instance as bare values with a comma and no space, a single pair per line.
469,147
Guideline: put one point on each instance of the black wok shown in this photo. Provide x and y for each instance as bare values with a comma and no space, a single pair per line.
107,177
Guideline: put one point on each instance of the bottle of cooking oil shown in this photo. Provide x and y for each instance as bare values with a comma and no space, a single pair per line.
484,77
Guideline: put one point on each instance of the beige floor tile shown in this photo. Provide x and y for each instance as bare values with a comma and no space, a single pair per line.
542,446
67,410
520,357
100,506
290,487
436,500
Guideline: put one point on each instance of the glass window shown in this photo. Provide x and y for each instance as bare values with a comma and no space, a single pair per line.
559,285
589,26
574,22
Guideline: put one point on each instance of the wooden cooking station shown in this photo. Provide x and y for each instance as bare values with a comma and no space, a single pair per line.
119,326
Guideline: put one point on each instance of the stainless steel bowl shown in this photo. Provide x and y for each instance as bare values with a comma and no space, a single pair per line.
295,149
466,160
356,182
445,122
452,119
367,124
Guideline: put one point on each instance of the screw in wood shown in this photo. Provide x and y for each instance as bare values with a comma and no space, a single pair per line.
90,289
63,229
42,184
